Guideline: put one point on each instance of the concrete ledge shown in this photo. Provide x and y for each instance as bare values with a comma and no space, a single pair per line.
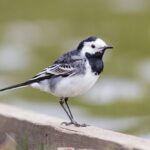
33,131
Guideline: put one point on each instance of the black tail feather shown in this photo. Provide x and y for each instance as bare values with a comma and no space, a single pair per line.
23,84
16,86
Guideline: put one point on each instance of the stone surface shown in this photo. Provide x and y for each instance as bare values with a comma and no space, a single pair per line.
35,131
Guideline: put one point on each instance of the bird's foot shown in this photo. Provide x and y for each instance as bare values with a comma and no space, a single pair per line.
76,124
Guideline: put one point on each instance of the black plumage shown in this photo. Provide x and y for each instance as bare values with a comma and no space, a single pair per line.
96,62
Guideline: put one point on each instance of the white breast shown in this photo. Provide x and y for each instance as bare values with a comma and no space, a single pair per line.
76,85
70,86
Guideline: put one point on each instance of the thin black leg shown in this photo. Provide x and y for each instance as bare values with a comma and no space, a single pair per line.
62,105
66,102
69,114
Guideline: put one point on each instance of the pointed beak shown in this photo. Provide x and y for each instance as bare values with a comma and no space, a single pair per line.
103,49
108,47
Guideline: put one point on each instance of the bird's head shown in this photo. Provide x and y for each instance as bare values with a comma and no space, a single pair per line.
93,45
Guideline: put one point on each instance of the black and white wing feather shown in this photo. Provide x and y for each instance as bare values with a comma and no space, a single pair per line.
67,65
56,69
61,69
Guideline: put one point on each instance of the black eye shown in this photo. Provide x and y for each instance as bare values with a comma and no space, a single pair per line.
93,46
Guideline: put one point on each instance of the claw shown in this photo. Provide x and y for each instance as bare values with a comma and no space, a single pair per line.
74,123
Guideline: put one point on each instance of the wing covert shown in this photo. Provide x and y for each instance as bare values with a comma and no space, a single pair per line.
60,69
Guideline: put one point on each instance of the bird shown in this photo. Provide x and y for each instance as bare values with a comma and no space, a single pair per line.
72,74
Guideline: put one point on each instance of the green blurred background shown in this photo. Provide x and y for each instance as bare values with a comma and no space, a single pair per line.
34,33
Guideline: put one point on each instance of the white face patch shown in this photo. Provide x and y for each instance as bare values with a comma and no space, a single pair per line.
93,46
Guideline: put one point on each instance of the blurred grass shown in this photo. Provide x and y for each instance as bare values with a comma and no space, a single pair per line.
129,33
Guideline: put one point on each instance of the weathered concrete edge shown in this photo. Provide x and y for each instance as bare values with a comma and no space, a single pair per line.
126,141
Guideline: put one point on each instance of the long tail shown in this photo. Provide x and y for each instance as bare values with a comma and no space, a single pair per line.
20,85
26,83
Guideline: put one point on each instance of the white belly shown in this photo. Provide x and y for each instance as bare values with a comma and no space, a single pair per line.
75,85
69,86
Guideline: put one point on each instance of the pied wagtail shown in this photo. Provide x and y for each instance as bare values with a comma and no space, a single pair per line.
72,74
